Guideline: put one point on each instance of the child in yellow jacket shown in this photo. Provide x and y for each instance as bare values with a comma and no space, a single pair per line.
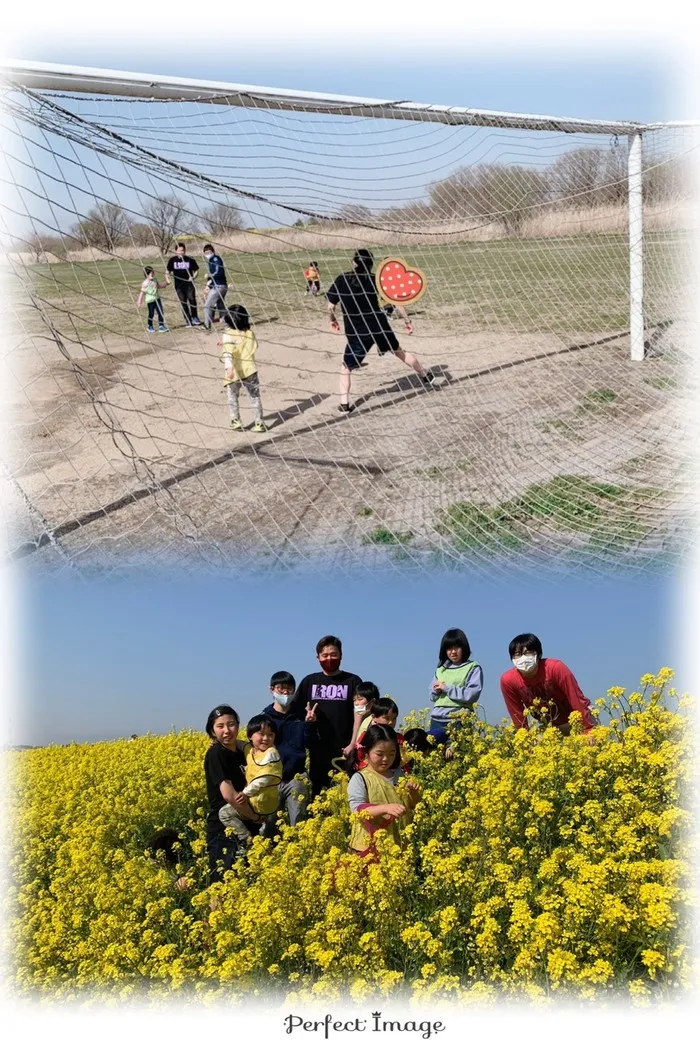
238,355
260,799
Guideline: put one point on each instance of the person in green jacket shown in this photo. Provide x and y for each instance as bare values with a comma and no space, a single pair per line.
456,686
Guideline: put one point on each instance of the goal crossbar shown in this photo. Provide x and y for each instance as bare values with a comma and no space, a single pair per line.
42,76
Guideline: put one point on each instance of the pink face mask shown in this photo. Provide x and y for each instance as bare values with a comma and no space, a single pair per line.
329,664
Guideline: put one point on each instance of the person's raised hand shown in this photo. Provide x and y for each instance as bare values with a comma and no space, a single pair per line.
311,712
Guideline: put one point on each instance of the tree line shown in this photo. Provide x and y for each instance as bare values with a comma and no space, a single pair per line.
479,194
508,194
109,226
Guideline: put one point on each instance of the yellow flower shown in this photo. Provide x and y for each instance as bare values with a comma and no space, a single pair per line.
533,865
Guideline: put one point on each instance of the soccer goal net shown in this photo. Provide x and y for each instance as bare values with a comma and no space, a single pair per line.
557,268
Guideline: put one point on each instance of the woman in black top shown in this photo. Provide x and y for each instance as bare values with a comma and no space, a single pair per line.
224,770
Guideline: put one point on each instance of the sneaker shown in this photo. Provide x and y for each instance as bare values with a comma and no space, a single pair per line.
196,321
345,407
259,427
149,328
428,379
163,328
188,324
236,424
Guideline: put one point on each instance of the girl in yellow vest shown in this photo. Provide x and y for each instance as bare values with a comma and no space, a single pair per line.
456,686
263,774
239,347
373,796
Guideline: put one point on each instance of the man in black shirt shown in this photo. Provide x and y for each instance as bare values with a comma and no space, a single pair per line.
184,270
365,324
329,694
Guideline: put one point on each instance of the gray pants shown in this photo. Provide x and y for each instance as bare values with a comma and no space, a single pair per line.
230,817
252,386
214,301
294,797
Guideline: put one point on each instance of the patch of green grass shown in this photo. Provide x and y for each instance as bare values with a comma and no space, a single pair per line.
560,426
573,424
382,535
604,515
662,382
595,399
445,471
365,512
559,285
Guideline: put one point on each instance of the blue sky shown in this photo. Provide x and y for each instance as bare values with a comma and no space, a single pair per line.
108,659
638,84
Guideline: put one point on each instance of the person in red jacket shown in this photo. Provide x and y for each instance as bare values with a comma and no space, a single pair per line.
543,685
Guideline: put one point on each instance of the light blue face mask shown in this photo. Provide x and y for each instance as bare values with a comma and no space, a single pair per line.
283,699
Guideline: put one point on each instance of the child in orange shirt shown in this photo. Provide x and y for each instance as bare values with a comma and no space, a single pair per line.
313,279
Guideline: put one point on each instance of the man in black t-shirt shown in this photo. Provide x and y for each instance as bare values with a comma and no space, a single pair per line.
329,694
184,270
365,324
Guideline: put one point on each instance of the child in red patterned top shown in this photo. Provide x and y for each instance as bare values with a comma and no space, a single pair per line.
385,712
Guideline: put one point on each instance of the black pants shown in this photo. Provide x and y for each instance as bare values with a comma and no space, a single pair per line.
224,850
156,305
188,299
320,769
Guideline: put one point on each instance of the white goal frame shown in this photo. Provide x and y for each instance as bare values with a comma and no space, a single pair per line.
42,76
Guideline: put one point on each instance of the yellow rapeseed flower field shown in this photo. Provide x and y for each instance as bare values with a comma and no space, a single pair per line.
536,866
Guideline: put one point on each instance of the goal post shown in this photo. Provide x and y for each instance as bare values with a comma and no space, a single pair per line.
556,250
51,77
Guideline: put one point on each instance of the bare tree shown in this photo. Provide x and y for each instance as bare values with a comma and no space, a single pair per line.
164,215
614,187
576,176
221,218
142,234
33,243
105,227
514,193
499,193
667,178
355,213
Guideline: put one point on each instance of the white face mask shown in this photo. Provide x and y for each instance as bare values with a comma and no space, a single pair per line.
282,699
525,663
360,709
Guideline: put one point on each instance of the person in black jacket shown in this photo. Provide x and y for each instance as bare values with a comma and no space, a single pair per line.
293,737
327,694
365,324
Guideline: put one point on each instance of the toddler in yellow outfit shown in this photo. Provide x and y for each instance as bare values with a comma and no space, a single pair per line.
263,772
239,347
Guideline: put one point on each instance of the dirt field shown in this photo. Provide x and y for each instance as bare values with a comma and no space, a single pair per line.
139,429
